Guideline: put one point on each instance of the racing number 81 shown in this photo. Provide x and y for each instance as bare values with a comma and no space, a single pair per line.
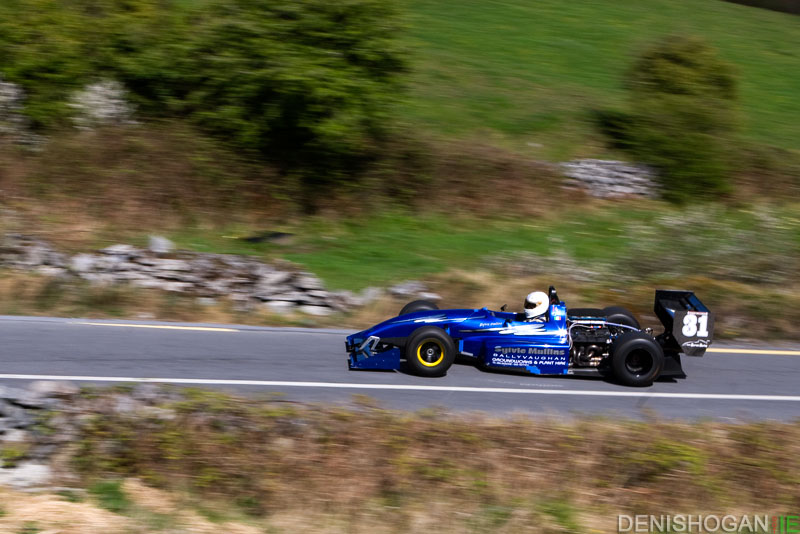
695,325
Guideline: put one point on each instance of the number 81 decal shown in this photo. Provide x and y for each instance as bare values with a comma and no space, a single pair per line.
695,324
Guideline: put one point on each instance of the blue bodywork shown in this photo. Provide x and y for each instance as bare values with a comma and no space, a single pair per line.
492,338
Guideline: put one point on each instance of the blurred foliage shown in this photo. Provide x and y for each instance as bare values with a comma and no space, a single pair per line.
307,84
682,117
488,474
786,6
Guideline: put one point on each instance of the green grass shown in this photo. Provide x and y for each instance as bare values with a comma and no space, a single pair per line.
353,254
523,71
110,495
641,239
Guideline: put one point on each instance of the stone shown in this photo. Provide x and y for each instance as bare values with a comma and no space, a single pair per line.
42,452
407,289
16,436
122,250
160,245
275,278
262,270
125,404
216,287
370,294
280,306
291,296
108,263
26,475
52,272
171,265
18,417
147,392
176,287
10,395
205,276
308,281
427,295
319,311
104,102
131,276
266,293
53,389
82,263
342,300
609,179
14,124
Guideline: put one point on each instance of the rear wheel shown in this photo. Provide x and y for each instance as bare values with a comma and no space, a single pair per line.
430,351
637,359
418,305
620,315
585,312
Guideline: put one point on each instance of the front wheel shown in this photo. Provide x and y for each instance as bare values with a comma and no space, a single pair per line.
637,359
430,351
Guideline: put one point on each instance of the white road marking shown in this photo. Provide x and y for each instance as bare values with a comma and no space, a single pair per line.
163,327
408,387
757,351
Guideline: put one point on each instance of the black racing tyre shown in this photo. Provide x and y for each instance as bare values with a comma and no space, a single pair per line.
585,312
418,305
430,351
636,359
620,315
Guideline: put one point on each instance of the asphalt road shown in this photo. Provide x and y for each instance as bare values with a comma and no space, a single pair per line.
310,365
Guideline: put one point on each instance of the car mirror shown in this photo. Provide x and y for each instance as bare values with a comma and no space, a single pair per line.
503,307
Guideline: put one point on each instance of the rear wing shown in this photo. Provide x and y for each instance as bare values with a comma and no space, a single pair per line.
688,324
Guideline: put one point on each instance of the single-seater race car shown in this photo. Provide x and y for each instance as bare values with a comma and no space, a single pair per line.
561,341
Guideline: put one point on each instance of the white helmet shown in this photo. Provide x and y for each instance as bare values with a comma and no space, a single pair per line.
536,304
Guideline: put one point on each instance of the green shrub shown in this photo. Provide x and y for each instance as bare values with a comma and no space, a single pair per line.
683,117
308,84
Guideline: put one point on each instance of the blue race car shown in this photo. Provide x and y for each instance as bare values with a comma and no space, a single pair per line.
557,341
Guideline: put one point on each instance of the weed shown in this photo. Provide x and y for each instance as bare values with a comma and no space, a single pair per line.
110,495
12,453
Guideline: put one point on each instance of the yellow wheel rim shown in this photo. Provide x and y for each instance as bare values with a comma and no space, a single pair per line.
427,350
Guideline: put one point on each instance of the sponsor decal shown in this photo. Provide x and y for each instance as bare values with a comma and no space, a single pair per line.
431,319
532,330
528,356
696,343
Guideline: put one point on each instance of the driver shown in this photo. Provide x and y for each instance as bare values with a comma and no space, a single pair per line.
536,305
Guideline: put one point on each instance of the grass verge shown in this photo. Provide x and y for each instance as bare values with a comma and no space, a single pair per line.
292,467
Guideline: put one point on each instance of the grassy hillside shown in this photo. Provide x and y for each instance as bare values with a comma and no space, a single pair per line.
527,73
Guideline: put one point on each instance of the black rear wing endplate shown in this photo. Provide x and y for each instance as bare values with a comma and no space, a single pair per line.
688,323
